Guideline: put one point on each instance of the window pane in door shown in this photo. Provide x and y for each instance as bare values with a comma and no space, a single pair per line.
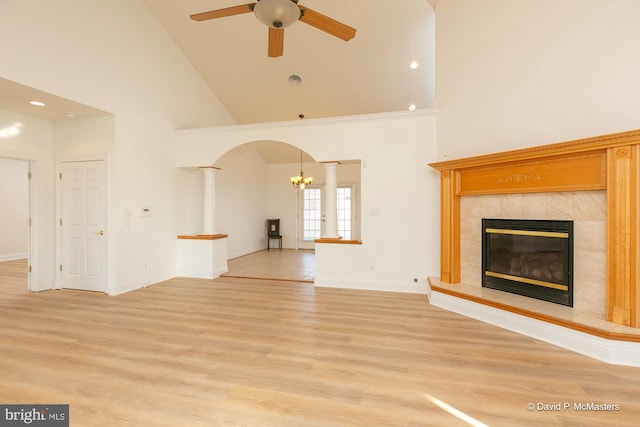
344,212
312,214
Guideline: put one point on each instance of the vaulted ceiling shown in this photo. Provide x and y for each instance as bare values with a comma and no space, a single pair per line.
368,74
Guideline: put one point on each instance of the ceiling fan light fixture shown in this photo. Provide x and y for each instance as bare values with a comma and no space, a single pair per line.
277,13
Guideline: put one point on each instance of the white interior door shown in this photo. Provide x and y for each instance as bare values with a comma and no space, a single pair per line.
83,202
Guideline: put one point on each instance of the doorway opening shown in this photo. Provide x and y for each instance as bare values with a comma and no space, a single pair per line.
15,241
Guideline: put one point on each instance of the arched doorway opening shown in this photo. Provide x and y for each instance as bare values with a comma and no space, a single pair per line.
252,184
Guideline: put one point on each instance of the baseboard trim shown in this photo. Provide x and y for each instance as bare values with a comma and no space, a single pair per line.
14,257
371,285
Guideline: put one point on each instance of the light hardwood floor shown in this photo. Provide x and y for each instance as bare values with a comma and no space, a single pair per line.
246,352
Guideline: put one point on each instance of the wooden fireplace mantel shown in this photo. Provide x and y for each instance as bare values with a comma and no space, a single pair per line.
607,162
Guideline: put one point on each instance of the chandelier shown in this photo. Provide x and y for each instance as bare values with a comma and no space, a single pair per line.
301,181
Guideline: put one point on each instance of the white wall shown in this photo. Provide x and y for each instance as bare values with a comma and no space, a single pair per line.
14,209
190,214
513,74
241,203
83,136
116,57
399,192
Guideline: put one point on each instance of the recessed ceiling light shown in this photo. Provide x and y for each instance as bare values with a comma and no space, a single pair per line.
295,80
70,114
412,107
414,65
38,103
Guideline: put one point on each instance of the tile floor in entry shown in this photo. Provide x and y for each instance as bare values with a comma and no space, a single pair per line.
286,264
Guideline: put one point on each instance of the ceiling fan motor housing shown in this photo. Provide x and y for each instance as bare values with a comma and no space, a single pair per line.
277,13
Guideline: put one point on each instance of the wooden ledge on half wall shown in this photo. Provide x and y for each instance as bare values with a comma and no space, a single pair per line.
338,240
202,236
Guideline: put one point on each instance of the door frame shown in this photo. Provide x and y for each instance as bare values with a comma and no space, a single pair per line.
31,225
109,288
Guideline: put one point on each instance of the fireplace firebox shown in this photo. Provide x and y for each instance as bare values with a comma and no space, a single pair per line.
533,258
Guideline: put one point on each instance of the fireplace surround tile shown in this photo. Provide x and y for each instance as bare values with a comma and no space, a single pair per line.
511,206
559,205
534,206
590,205
589,238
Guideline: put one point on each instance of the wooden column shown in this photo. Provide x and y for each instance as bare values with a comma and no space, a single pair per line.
622,235
449,227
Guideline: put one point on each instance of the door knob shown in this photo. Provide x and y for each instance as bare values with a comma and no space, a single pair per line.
100,233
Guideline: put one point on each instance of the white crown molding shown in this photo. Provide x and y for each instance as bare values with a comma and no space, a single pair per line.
314,122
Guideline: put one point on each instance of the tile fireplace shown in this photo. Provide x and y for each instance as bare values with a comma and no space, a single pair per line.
606,162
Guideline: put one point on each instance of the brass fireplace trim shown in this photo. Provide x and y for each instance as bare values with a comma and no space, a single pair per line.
555,234
607,162
527,281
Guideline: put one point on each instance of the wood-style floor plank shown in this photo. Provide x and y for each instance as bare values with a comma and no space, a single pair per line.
250,352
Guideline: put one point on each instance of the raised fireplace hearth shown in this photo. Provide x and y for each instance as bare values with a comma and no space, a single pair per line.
533,258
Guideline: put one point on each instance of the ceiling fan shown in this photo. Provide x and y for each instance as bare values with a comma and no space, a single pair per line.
278,14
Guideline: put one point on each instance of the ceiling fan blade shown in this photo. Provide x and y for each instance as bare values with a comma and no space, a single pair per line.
326,24
276,42
219,13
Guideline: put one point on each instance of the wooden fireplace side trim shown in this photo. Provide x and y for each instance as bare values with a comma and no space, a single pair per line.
610,162
623,301
449,227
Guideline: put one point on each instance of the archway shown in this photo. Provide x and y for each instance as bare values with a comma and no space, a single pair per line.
251,185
